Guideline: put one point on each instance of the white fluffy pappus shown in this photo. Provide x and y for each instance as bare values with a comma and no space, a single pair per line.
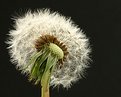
33,25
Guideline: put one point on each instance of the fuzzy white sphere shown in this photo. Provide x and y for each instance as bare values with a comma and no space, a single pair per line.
33,25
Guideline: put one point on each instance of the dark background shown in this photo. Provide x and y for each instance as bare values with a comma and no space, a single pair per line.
101,21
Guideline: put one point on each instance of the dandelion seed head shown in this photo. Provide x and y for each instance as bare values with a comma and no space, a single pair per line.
33,25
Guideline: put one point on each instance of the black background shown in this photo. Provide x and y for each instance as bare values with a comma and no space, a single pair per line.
101,21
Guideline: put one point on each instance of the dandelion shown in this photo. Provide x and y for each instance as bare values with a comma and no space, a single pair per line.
49,48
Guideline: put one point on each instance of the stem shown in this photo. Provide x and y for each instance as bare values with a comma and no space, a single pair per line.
45,92
51,62
45,85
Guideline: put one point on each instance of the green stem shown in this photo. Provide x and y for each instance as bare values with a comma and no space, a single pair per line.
51,62
45,87
45,93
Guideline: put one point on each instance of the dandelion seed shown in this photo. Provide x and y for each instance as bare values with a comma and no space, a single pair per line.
49,48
